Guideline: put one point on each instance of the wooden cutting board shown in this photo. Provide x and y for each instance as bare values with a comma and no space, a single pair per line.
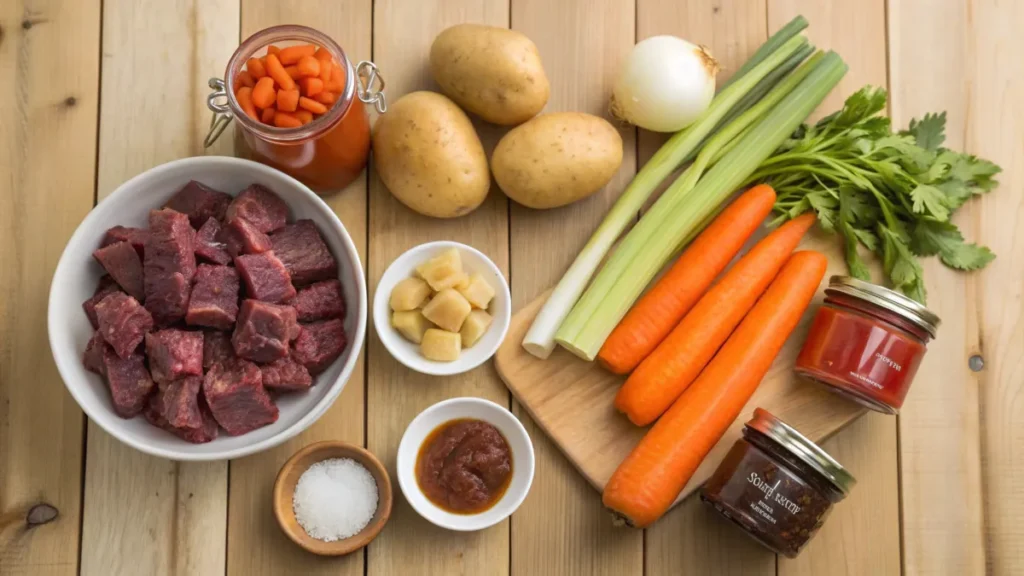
572,401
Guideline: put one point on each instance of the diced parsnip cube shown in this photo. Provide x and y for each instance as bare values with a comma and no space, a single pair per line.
442,271
474,327
448,309
478,292
411,324
441,345
463,283
409,294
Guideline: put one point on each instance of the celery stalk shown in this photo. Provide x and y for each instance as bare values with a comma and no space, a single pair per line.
792,28
540,339
651,243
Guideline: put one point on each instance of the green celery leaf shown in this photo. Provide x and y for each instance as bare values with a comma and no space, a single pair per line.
825,205
944,239
967,257
929,199
957,193
867,238
929,132
853,260
975,171
901,265
860,106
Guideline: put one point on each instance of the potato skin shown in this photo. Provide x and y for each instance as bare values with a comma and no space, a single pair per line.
556,159
430,158
492,72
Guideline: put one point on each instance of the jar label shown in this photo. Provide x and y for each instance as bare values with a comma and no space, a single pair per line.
764,507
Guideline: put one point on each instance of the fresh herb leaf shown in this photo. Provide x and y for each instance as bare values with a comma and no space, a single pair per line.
944,239
825,206
867,238
967,257
930,200
929,132
858,269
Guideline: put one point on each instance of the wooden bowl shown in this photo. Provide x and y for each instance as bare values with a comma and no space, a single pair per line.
284,490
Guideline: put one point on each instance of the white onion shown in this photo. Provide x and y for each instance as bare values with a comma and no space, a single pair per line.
665,84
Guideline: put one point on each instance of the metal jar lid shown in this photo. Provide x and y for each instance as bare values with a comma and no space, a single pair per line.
890,300
801,447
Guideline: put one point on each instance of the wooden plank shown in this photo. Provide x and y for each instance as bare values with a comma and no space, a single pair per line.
49,70
690,540
862,534
403,32
957,440
251,527
145,515
562,527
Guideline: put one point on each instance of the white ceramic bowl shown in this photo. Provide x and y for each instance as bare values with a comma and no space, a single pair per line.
77,274
407,352
457,408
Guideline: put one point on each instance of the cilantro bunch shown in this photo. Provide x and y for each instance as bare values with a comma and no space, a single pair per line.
892,193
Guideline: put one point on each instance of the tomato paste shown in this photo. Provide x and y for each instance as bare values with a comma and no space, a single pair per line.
464,466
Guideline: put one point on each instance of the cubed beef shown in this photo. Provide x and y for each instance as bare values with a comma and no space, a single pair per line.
122,262
178,402
235,393
265,277
169,265
214,301
259,205
286,374
264,330
174,354
92,358
104,288
209,245
137,236
216,347
205,433
304,253
319,301
123,322
241,237
319,344
199,202
129,381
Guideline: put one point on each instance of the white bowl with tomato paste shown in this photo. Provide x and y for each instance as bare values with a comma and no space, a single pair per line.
422,430
77,275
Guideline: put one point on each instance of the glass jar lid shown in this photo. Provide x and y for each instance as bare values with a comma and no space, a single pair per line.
890,300
801,447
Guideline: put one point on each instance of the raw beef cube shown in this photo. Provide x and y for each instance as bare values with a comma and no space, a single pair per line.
214,300
264,330
123,322
304,254
319,301
93,356
319,344
199,202
178,402
169,265
106,287
174,354
235,393
216,347
205,433
122,262
129,381
208,243
259,205
241,237
265,277
137,236
286,374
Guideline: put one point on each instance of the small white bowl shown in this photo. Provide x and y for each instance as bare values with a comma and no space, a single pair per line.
407,352
454,409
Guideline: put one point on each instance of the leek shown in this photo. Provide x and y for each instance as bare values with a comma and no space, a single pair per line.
662,231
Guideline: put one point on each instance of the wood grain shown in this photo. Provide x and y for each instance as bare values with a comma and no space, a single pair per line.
562,528
251,526
49,67
403,32
144,514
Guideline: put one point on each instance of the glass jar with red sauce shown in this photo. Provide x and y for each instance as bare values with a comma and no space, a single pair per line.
326,154
866,343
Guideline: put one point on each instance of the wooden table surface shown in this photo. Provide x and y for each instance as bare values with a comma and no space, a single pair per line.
92,93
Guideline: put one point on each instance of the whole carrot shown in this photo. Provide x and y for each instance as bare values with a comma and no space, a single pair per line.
654,315
650,479
674,364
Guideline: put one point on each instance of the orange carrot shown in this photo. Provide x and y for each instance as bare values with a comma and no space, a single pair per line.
325,72
322,54
337,81
256,68
276,71
311,86
244,97
308,66
304,116
286,120
293,54
273,50
654,315
674,364
312,105
267,116
287,100
327,98
244,79
650,479
263,94
293,71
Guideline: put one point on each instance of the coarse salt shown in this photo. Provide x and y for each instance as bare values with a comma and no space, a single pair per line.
335,499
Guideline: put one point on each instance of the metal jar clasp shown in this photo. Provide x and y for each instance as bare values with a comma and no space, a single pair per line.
217,102
370,89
